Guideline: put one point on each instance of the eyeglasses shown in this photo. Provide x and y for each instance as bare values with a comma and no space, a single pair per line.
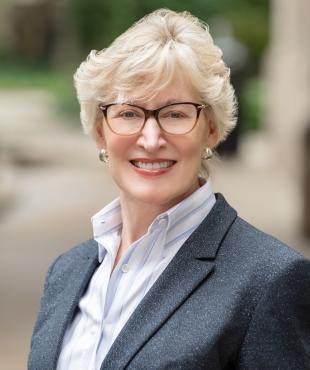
174,119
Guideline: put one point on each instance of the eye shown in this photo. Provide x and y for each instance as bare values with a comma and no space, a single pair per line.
129,114
177,115
174,115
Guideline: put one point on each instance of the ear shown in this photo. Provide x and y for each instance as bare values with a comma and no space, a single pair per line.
99,134
212,133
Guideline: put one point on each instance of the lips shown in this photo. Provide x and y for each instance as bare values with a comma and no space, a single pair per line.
153,164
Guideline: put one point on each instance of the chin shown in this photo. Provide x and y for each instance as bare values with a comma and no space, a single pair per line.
155,197
158,196
157,191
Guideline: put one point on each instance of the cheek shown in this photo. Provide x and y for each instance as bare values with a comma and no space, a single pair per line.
117,157
117,147
191,147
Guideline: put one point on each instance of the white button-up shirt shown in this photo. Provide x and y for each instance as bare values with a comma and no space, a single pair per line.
112,296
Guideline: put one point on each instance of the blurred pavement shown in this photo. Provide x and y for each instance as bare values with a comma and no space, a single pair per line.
51,183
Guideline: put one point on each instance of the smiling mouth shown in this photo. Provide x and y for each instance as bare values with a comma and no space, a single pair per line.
153,165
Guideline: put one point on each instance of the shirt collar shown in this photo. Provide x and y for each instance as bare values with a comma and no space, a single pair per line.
107,223
191,203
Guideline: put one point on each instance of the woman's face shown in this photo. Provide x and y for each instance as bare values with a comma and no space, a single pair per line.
128,155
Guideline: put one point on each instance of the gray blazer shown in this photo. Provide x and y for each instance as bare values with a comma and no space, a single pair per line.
232,298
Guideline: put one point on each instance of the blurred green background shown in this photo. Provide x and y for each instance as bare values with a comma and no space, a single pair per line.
51,38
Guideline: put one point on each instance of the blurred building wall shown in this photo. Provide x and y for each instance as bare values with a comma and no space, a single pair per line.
288,81
38,31
5,29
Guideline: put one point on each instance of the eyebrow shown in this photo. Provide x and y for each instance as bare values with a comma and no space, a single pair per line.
171,101
163,103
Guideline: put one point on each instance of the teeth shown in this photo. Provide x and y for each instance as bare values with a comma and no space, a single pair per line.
153,166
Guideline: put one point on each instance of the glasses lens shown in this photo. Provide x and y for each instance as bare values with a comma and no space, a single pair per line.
178,118
125,119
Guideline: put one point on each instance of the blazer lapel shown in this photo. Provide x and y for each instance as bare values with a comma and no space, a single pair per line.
190,266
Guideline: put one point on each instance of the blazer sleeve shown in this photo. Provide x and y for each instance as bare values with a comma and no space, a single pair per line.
278,336
43,308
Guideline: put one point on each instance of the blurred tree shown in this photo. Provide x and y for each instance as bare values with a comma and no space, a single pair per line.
93,24
98,22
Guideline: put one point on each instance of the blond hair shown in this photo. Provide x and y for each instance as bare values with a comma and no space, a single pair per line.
146,58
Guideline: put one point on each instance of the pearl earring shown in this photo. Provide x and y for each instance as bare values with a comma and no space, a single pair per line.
103,155
207,154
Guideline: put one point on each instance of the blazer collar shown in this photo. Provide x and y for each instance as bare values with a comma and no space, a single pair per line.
190,266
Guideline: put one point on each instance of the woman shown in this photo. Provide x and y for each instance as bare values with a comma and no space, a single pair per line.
173,278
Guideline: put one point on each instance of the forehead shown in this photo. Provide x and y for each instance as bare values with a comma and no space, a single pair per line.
179,90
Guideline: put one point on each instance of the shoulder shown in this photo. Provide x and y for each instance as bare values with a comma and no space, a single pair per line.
84,251
242,241
277,278
70,267
247,255
250,255
257,245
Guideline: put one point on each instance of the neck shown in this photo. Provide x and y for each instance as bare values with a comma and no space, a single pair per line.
136,219
137,216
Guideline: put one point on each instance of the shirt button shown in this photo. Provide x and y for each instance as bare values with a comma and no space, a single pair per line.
125,267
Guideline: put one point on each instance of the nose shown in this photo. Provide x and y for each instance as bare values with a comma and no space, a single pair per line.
151,138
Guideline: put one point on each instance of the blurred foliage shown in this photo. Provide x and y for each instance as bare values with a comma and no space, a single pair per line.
253,102
15,74
98,22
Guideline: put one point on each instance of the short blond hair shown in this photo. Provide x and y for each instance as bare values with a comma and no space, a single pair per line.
146,57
